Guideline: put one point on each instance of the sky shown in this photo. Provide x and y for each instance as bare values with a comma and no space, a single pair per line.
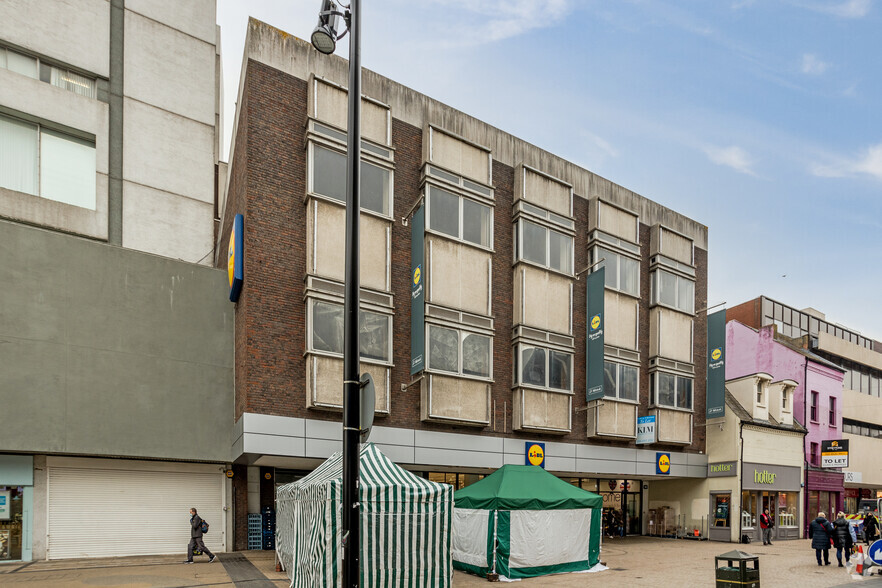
761,119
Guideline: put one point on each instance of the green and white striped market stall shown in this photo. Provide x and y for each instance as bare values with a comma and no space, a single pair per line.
405,526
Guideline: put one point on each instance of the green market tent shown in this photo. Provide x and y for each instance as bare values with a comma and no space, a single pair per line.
405,526
522,522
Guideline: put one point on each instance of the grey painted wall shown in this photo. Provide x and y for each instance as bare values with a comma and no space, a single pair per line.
109,351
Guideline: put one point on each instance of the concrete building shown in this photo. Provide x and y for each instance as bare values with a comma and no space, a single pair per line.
506,230
793,385
115,341
861,408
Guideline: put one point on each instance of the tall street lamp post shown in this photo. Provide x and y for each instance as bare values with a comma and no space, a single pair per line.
324,39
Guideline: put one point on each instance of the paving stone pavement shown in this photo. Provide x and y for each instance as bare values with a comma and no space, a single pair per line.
648,561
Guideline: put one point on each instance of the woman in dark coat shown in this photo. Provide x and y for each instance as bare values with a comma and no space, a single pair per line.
819,532
870,527
842,537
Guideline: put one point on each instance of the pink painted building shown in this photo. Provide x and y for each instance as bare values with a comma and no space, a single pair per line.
817,401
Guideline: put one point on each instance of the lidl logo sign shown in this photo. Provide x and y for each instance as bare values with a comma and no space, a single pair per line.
231,258
236,258
663,463
716,354
535,454
595,322
417,275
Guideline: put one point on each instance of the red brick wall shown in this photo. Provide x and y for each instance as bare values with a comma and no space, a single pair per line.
747,313
240,508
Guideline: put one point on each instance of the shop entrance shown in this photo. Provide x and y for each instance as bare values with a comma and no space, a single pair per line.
621,504
782,509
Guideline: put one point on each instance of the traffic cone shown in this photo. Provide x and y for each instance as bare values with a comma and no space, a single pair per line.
859,561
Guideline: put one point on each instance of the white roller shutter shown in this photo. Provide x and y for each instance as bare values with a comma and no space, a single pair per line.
101,512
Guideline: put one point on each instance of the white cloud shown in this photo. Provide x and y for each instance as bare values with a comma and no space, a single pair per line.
501,19
869,163
846,9
732,156
812,65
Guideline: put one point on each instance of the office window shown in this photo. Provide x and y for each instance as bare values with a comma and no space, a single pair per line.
460,217
373,331
673,291
671,391
545,246
46,163
622,272
545,368
57,76
459,352
813,413
831,415
328,178
620,381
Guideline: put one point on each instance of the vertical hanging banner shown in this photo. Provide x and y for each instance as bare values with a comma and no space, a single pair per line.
716,365
236,257
417,291
594,284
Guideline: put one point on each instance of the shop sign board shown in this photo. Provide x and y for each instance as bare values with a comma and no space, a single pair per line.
534,454
834,453
645,430
417,291
4,505
236,257
722,469
853,477
716,365
763,476
595,285
663,463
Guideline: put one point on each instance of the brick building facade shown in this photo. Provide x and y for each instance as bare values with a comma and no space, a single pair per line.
509,230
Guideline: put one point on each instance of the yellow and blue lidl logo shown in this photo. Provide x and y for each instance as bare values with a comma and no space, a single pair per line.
417,275
231,258
595,322
536,454
716,354
663,463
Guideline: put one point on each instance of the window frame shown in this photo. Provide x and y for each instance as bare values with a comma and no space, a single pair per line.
518,367
653,381
62,133
427,196
310,178
618,397
654,297
41,63
831,413
462,333
519,250
595,258
310,332
813,407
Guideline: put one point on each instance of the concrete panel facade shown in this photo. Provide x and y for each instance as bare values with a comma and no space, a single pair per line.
110,351
194,17
58,28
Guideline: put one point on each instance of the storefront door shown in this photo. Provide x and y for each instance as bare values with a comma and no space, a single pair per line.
16,506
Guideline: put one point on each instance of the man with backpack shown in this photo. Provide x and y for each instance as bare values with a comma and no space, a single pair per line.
197,528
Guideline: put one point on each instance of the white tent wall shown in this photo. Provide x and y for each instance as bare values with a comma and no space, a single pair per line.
549,537
470,537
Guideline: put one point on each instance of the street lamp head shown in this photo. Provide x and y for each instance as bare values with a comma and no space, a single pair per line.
324,37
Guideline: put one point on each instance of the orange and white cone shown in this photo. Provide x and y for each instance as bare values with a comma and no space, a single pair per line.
859,561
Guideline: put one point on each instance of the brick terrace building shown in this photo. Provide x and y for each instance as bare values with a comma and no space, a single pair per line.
509,228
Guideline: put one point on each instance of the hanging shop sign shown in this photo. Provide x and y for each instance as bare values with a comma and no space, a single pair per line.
645,430
595,284
722,469
534,454
417,291
236,257
663,463
834,453
716,365
761,476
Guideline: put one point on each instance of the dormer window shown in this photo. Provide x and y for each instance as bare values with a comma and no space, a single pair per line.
760,400
785,405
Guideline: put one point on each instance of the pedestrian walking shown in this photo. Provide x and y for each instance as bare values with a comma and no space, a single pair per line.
196,538
820,532
870,527
842,538
766,522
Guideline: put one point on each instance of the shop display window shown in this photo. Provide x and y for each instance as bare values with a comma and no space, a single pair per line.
749,512
788,504
11,514
722,502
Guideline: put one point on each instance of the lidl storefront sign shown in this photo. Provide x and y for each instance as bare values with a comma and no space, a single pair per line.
663,463
535,454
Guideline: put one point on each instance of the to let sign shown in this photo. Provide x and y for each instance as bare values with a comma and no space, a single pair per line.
645,430
834,453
